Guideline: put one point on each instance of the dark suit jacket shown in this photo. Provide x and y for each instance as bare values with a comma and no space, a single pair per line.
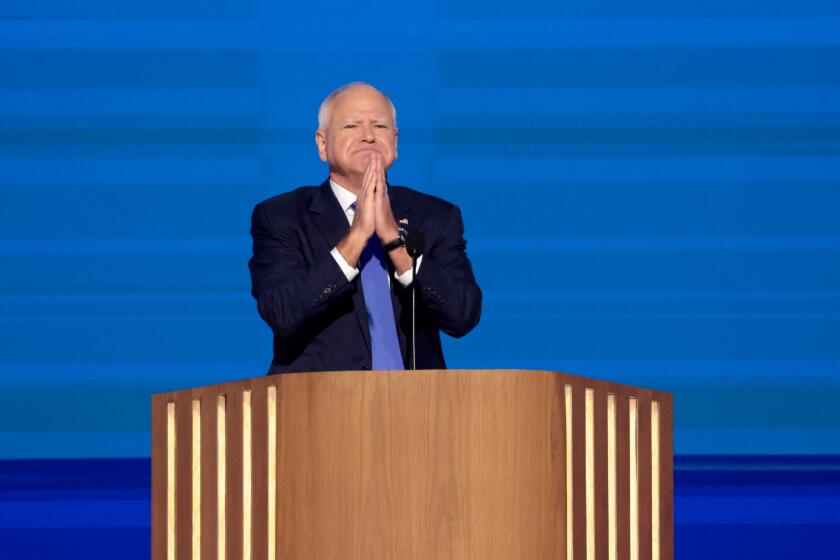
318,317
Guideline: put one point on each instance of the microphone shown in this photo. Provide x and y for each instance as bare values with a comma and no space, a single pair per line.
415,243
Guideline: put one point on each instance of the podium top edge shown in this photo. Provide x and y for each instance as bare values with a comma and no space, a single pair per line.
271,380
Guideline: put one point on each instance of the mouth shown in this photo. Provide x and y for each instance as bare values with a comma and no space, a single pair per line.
367,151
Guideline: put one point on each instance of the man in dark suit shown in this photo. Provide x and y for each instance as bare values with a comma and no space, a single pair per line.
330,271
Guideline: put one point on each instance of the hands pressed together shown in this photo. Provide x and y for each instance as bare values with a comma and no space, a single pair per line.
373,206
373,216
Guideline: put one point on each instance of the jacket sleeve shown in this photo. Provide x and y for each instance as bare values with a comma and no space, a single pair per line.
291,290
446,284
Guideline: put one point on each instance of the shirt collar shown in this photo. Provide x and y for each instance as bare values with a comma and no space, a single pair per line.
346,199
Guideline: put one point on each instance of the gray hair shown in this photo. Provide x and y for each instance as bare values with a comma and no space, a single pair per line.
324,109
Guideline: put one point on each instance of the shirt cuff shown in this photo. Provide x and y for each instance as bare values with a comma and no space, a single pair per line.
406,277
349,271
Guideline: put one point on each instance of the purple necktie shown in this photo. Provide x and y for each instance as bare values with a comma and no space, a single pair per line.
380,311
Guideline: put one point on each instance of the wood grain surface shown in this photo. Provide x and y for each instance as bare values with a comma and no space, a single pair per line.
456,464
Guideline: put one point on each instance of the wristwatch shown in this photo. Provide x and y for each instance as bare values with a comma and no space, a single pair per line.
402,233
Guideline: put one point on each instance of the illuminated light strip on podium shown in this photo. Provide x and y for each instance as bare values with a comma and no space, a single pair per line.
196,480
570,543
221,474
272,472
170,481
247,474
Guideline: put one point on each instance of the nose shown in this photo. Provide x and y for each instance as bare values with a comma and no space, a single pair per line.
367,133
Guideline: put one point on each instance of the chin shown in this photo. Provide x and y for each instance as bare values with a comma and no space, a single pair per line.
364,157
359,163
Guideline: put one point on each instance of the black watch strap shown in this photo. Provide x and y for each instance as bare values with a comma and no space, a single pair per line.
402,233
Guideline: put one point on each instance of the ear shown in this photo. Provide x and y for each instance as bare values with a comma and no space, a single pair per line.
321,141
396,137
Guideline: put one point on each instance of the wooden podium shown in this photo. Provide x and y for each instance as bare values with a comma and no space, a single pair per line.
427,465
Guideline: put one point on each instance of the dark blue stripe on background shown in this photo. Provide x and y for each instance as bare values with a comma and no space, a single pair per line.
155,68
685,463
659,9
59,475
106,10
123,543
640,67
766,541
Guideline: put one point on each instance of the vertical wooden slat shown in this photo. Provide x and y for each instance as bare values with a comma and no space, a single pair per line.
259,469
612,501
221,476
183,476
567,396
666,476
271,493
622,482
633,444
234,476
601,490
644,478
196,479
209,482
558,547
590,473
159,460
579,469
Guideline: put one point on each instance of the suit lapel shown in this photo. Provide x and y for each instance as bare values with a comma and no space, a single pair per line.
400,204
331,221
329,216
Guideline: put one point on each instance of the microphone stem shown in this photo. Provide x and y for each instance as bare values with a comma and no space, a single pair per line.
413,312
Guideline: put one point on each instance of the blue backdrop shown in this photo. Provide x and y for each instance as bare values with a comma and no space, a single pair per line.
650,191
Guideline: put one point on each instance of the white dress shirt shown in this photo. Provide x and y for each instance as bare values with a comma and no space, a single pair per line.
346,199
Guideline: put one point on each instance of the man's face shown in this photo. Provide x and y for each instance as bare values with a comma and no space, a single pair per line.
360,124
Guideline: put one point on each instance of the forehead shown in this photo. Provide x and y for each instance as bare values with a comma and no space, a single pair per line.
361,101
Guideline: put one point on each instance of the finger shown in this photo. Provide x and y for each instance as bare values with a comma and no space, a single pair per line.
383,179
380,173
374,159
372,179
367,179
370,185
370,189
